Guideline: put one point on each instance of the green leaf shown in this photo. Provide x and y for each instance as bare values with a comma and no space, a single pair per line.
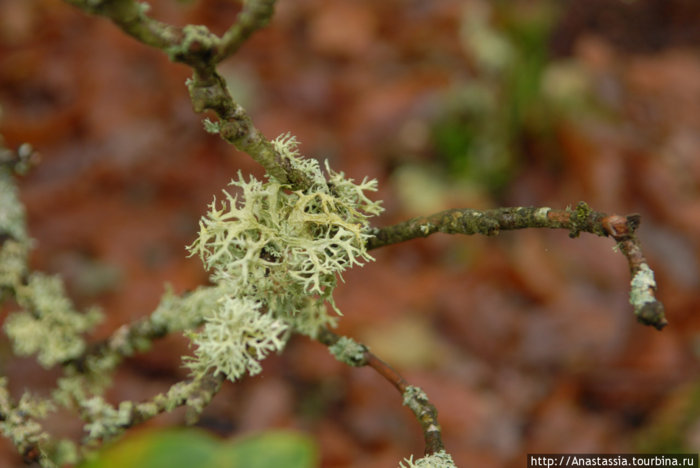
175,448
275,449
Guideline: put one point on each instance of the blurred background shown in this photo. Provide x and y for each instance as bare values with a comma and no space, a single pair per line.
524,342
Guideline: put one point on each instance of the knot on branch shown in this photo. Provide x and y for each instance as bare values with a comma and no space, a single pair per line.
652,313
621,227
196,48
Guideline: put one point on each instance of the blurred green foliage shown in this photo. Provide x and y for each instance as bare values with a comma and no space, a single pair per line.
187,448
514,93
675,426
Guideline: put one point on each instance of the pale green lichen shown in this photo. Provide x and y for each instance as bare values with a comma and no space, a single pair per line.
70,390
194,35
542,213
186,312
12,222
211,127
13,264
177,393
19,421
349,351
104,420
439,459
642,287
305,314
235,337
280,253
414,397
190,393
49,326
88,378
14,242
174,313
280,239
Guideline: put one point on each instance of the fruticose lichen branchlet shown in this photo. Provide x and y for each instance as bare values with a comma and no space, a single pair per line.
19,422
14,242
49,326
236,337
277,254
439,459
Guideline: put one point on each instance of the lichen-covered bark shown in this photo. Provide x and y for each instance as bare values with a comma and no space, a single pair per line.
648,311
425,412
490,223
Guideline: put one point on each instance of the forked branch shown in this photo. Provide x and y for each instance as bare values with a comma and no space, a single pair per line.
202,50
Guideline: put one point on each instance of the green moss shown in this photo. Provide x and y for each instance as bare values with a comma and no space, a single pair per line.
579,218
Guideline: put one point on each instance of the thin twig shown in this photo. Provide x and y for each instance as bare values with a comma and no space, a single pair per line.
413,397
255,15
647,308
202,50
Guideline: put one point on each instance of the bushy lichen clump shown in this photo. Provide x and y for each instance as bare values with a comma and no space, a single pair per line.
440,459
19,421
14,242
236,337
49,326
279,252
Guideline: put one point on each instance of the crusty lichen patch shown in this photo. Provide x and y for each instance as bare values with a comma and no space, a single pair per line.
642,287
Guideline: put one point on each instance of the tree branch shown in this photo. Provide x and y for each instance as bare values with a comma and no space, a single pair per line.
202,50
255,15
357,355
647,308
104,422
